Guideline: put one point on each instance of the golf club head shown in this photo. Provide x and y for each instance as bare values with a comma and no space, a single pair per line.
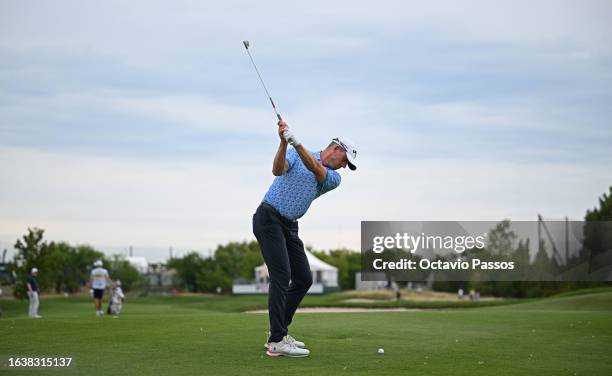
246,44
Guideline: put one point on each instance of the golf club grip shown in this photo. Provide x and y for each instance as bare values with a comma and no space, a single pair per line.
274,107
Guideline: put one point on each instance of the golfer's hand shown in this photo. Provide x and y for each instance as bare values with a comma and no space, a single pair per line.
282,127
287,135
291,139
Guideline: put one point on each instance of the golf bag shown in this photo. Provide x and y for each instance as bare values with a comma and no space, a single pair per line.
116,301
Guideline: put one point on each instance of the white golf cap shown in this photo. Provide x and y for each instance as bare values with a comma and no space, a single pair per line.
98,263
34,270
350,148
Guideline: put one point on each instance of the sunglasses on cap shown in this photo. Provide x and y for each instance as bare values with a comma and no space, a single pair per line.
337,141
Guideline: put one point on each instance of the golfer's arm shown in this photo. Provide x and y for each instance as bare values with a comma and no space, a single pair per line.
280,165
29,287
312,163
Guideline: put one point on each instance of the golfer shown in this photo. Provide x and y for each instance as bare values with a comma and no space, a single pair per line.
33,290
301,177
98,281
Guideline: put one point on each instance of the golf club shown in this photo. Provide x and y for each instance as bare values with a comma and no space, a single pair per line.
246,45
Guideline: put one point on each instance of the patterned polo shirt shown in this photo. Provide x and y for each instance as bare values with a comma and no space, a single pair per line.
293,192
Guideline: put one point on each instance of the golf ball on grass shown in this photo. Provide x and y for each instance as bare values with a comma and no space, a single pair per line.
381,351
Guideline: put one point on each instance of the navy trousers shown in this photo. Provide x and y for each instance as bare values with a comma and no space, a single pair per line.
288,267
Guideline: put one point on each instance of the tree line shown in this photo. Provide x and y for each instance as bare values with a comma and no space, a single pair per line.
66,268
236,261
63,268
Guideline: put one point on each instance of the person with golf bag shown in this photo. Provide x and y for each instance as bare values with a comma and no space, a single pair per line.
301,177
98,281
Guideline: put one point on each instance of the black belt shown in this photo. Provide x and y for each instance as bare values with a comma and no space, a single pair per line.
268,206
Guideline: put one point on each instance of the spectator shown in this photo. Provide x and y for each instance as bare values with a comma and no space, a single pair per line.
33,291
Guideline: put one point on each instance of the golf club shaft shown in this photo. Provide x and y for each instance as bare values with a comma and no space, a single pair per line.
246,46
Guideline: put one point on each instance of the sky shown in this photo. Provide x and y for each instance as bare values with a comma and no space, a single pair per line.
143,123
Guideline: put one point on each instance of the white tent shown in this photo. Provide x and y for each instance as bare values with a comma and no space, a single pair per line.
324,276
139,263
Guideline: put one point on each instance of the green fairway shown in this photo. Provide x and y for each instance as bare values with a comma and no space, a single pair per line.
207,335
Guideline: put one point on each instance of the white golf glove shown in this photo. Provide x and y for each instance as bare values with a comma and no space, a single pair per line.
290,138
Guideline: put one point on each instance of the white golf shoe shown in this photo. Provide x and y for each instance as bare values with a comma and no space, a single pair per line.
286,348
290,339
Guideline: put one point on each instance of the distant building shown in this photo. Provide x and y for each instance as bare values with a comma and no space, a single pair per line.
6,277
379,281
156,275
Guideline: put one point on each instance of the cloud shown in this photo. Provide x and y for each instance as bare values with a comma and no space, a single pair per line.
199,113
120,27
147,125
115,203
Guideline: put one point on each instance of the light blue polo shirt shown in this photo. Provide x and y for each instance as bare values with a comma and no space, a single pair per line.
293,192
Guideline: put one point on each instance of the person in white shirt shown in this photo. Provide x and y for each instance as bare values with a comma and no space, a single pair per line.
33,291
98,281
